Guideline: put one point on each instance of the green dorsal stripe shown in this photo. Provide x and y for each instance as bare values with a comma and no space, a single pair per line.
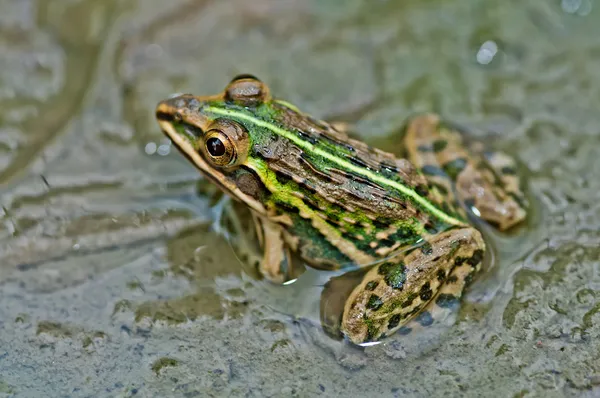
310,148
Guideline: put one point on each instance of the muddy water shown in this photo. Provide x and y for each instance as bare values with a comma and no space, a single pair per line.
114,280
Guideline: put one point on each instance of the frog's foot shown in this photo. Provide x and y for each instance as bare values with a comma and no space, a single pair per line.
486,183
392,293
506,168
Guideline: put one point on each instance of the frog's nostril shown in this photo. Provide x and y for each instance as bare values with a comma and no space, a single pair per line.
163,113
174,107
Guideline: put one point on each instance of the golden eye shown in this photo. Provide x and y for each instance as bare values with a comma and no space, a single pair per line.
226,143
219,148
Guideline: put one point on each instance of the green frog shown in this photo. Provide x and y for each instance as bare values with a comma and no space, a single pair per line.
322,198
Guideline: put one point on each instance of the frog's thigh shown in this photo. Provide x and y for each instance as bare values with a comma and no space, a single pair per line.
393,291
277,264
446,301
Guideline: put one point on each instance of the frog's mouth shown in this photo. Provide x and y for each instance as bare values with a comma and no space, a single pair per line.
215,175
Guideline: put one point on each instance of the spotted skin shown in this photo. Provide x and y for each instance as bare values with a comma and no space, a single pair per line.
407,285
334,202
485,181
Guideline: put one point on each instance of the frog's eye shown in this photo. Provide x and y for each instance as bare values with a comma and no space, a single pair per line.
220,149
226,143
247,90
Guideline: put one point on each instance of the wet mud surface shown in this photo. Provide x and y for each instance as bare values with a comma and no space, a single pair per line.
113,280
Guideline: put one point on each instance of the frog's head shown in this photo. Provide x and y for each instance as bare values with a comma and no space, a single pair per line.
219,133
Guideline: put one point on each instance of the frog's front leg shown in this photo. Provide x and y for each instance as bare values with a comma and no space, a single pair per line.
393,292
278,263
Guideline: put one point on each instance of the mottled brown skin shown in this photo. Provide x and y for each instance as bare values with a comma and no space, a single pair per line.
335,202
488,184
427,273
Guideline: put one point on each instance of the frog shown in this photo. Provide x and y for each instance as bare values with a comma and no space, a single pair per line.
320,196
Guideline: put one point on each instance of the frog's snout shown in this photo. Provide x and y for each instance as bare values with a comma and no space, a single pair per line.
172,108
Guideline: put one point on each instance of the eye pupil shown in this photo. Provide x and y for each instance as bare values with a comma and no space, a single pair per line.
215,147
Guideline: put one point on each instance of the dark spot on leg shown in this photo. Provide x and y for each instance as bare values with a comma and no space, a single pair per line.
405,235
381,223
508,170
409,300
371,333
446,300
441,275
394,274
459,261
452,279
439,145
454,167
386,242
469,279
426,249
385,268
374,302
475,258
394,321
425,318
430,170
404,330
425,293
371,285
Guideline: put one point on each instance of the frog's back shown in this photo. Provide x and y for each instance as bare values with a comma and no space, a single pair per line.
339,192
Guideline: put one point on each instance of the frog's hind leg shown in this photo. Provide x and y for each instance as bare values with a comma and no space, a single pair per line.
485,183
397,290
445,303
505,169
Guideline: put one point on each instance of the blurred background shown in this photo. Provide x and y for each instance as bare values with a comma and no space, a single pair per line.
113,281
